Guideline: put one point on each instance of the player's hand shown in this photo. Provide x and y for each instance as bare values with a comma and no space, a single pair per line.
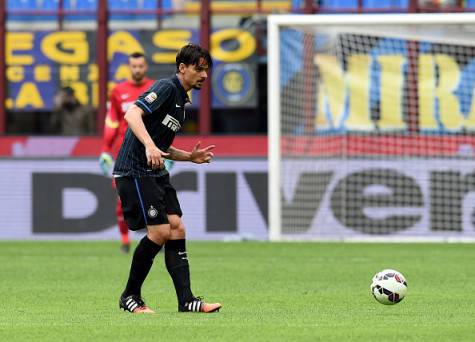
155,157
106,161
202,155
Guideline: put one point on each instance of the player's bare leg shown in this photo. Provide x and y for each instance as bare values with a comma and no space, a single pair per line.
176,261
142,261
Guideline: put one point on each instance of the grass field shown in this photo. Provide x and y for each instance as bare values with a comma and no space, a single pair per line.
68,291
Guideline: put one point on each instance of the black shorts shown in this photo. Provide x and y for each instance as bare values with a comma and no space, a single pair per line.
147,201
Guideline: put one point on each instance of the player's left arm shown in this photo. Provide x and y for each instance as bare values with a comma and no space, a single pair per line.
198,155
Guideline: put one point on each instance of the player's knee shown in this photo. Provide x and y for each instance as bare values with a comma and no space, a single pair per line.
159,234
175,222
177,227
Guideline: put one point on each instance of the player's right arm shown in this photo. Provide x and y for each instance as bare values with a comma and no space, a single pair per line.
133,116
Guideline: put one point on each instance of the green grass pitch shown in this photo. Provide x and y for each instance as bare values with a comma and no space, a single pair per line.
68,291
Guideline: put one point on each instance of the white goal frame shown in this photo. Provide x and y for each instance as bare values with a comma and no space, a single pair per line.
274,137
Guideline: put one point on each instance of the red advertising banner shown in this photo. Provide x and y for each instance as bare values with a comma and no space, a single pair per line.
30,146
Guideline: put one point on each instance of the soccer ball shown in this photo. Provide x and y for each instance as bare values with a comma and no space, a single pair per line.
389,287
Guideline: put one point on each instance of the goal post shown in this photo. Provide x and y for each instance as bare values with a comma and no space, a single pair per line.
371,127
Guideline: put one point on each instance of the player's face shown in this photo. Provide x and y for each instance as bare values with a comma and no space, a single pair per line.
138,68
193,76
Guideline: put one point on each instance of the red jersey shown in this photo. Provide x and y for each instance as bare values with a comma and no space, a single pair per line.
123,95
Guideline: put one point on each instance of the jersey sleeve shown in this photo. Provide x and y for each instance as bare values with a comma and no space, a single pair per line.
156,97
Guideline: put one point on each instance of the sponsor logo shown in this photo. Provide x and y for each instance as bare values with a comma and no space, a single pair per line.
413,197
151,97
171,123
124,96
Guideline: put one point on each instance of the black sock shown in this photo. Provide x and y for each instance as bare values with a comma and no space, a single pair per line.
142,261
176,261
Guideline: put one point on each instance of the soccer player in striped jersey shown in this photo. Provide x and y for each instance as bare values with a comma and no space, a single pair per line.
143,184
123,95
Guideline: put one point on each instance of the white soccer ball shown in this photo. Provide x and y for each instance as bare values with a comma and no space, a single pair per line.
389,287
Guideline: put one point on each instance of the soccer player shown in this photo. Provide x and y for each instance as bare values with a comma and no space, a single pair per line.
148,198
123,95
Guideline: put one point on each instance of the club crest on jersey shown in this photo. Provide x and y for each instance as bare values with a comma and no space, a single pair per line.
151,97
152,212
171,123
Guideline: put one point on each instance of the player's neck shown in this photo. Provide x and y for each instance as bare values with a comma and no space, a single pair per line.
180,78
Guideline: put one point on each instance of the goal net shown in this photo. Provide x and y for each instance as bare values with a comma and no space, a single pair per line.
371,127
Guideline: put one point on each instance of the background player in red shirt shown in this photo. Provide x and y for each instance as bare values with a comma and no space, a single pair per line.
123,95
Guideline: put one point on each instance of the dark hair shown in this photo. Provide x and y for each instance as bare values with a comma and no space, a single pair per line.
191,54
68,90
137,55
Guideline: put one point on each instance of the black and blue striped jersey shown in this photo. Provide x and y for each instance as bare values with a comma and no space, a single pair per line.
164,107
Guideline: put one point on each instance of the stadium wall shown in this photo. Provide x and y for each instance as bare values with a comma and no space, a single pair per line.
53,188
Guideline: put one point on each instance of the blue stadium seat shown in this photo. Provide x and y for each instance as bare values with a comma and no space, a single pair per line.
385,4
369,4
113,5
339,4
470,4
166,4
136,5
80,5
21,5
32,5
296,4
148,5
122,5
49,5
